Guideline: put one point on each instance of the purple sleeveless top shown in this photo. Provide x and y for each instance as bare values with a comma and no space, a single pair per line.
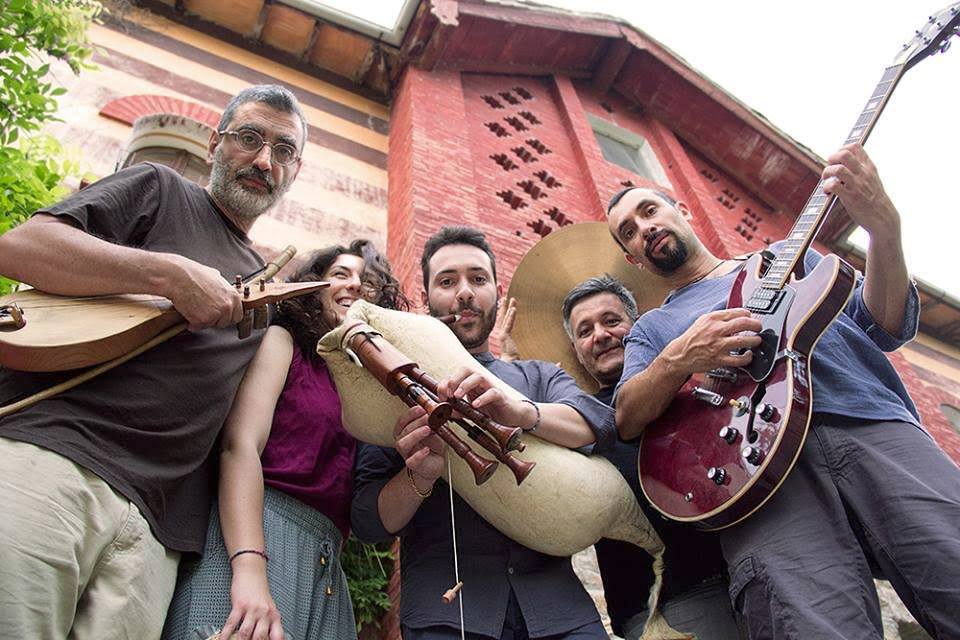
309,455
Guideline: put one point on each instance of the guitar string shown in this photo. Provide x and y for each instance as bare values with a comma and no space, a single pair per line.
245,279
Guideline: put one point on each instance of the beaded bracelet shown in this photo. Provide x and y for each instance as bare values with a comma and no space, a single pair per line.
423,495
262,554
537,409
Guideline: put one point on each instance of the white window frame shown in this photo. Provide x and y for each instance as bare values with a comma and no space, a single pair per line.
646,156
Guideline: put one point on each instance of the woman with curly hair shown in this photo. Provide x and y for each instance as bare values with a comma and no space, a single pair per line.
271,561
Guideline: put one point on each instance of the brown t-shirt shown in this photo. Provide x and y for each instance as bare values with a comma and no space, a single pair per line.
149,426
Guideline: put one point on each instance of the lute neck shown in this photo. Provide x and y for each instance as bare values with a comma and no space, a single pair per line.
818,206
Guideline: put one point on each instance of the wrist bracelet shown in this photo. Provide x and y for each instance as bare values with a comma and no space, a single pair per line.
416,489
262,554
537,409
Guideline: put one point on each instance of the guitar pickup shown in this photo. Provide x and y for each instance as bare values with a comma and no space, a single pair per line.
763,300
722,374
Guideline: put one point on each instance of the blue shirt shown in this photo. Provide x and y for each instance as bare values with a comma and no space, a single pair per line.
851,375
550,595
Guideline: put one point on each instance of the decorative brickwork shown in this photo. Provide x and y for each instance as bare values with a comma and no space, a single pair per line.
743,221
129,108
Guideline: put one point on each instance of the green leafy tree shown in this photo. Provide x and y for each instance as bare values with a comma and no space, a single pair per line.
32,32
367,568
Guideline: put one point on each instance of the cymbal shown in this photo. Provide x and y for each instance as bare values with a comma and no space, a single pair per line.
548,272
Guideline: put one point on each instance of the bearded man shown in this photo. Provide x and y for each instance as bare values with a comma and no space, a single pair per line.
871,494
510,591
105,485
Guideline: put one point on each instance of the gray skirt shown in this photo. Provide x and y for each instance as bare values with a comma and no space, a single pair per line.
304,573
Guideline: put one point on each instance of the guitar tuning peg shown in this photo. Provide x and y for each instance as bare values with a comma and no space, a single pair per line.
246,291
263,284
260,317
238,281
945,45
245,326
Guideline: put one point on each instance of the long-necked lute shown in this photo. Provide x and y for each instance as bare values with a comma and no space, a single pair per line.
731,436
40,331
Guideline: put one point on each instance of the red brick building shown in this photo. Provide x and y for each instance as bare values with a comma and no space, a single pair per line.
515,119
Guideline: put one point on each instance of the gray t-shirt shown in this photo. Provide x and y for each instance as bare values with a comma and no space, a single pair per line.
149,426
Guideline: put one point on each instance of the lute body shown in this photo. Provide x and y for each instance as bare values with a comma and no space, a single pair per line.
60,333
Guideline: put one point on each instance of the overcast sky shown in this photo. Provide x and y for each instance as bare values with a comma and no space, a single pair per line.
809,67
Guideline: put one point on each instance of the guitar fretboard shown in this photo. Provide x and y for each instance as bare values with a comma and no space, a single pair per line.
819,204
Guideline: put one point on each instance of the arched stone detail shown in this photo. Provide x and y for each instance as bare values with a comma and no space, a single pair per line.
129,108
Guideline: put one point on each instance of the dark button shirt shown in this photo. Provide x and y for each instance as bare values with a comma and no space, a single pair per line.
548,592
626,570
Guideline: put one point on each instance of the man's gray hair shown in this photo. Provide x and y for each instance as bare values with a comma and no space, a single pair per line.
273,95
595,286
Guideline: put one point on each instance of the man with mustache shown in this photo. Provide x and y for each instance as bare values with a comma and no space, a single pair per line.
509,591
597,315
105,485
871,493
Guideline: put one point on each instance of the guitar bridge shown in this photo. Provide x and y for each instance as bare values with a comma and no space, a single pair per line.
707,396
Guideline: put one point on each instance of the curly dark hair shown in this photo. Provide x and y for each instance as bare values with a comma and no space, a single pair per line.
303,316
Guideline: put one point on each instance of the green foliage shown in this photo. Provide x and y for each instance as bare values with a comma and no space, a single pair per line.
34,166
368,570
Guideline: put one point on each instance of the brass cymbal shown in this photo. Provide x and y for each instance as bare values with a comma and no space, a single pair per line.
548,272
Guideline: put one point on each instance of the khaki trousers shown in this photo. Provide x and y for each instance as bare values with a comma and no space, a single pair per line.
77,559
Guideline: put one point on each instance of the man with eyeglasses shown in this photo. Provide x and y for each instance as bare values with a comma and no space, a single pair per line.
105,485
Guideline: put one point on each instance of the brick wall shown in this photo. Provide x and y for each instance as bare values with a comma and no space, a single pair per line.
516,157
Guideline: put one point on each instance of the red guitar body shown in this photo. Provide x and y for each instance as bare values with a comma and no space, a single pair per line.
694,464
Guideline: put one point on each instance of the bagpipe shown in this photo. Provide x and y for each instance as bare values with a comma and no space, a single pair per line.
565,503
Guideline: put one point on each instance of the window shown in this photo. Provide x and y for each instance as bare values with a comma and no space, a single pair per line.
628,150
183,162
385,20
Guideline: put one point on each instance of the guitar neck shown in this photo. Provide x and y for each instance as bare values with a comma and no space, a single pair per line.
819,204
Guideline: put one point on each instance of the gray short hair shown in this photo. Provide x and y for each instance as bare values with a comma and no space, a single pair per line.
273,95
595,286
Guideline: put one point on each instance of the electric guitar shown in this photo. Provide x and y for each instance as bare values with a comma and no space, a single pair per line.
731,436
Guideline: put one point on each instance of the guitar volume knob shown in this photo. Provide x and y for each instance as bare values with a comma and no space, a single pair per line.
753,455
768,412
717,474
729,434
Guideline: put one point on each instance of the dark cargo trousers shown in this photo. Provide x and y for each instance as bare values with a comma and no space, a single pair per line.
864,499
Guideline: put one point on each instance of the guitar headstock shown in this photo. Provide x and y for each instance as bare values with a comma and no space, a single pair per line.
933,37
258,294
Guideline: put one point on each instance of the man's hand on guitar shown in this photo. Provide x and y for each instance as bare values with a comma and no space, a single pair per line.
851,176
716,339
201,295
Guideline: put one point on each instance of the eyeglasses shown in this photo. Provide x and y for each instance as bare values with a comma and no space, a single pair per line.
250,141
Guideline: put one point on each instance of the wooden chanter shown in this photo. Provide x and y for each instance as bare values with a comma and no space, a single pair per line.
403,378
